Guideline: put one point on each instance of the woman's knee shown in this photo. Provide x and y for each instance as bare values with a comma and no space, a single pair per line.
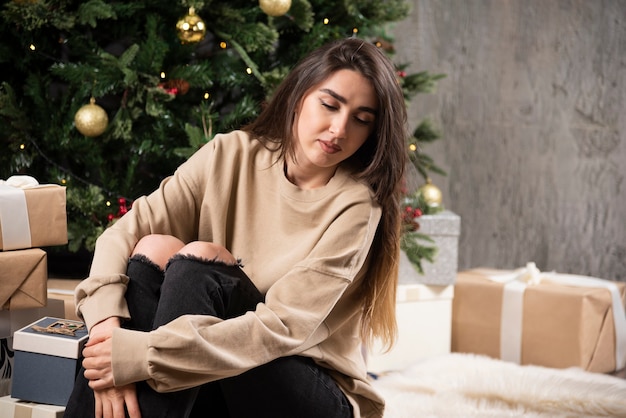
158,248
208,251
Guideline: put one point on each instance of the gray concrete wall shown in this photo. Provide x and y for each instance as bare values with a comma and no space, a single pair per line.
533,118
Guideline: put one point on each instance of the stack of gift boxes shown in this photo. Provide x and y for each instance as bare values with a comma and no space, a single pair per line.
424,300
32,216
523,315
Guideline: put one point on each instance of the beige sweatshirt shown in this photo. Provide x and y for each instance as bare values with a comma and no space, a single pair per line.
306,250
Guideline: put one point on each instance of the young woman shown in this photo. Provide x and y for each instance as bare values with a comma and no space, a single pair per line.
259,268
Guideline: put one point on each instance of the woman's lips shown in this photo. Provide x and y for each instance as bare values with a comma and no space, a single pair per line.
329,147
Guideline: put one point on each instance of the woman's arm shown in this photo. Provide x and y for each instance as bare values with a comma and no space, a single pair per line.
172,209
300,312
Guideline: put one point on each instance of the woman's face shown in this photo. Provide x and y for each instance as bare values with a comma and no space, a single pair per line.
334,119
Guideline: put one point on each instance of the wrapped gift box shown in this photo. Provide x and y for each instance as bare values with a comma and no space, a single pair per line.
32,215
424,316
12,321
558,325
46,361
6,365
23,276
63,289
15,408
444,229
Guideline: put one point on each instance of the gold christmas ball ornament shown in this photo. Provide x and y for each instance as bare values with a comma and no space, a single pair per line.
91,120
431,194
191,28
275,7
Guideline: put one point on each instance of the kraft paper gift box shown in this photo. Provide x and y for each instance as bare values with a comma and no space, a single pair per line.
554,320
424,317
31,215
16,408
46,361
23,275
64,289
444,229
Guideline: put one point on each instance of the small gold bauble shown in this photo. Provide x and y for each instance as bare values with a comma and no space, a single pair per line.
91,120
275,7
431,194
191,28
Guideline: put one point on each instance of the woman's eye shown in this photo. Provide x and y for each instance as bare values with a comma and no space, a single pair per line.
328,105
362,121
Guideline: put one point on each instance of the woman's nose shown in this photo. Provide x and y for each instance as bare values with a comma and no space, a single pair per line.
338,126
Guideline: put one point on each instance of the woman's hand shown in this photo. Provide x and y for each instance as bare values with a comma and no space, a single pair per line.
97,354
110,401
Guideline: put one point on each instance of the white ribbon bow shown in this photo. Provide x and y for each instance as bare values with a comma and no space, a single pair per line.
14,212
21,182
515,284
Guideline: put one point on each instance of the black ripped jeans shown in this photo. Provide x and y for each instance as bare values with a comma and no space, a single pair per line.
284,388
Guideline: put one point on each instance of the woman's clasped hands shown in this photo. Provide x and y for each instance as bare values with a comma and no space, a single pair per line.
111,401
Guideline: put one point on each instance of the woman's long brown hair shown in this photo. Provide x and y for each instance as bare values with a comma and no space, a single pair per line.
383,158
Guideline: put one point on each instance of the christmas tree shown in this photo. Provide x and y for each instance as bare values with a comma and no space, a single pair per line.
108,97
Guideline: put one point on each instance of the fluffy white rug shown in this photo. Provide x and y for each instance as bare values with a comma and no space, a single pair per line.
465,385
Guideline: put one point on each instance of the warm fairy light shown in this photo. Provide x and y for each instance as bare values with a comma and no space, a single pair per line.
249,70
413,147
108,203
63,181
32,47
379,44
206,96
223,45
163,74
326,21
355,30
22,146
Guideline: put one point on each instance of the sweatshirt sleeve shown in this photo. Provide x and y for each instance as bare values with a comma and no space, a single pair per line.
196,349
171,209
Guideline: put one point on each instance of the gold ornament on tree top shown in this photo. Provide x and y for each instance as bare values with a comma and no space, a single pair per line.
431,194
91,120
275,7
191,27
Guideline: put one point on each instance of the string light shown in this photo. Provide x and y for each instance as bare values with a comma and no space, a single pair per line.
108,203
22,147
206,95
326,21
249,70
413,147
355,30
32,47
163,74
223,45
63,181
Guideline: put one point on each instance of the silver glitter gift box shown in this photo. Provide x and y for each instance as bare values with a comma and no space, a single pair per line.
444,228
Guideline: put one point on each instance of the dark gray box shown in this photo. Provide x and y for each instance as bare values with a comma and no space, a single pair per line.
46,360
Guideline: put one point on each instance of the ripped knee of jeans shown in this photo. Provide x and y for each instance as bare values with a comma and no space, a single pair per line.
203,260
144,259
